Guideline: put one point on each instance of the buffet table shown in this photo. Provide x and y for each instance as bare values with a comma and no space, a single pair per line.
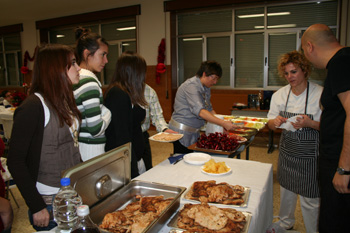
257,113
258,176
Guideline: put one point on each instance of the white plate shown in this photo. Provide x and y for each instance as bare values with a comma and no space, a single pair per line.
197,158
154,137
216,174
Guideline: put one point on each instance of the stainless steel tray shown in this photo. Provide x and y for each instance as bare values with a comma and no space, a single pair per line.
127,195
173,223
245,198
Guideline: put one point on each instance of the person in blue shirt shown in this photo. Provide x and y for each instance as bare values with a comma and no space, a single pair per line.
192,107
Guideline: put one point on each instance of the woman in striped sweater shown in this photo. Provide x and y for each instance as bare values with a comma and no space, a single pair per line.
91,50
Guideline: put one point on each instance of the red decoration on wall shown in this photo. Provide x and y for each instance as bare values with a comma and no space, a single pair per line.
161,68
24,68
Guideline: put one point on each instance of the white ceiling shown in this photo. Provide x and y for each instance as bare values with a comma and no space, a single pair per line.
22,11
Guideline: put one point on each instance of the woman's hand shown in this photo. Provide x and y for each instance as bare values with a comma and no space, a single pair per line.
305,121
278,121
41,218
301,122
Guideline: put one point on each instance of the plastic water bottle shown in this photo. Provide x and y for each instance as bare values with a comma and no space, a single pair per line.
65,207
85,224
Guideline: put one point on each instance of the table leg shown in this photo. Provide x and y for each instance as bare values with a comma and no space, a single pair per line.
271,146
247,153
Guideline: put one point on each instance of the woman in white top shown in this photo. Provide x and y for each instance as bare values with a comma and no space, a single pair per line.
298,154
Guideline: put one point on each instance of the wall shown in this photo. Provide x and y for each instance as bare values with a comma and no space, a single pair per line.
151,24
163,89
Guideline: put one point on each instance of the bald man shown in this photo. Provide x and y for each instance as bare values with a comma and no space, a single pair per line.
324,51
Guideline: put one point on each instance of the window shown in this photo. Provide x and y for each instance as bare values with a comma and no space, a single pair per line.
120,35
118,26
248,41
207,37
10,60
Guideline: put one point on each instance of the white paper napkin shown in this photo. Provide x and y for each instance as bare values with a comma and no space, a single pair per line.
288,125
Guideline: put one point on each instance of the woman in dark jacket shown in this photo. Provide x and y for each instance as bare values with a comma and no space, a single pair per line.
44,136
126,101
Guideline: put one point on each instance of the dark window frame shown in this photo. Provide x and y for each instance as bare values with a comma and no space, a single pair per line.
8,30
117,13
182,6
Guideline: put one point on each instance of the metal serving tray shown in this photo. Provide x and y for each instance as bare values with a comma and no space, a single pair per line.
127,195
175,229
104,184
245,198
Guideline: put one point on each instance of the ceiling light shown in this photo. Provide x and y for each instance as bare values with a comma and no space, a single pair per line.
262,15
126,28
250,16
60,36
277,26
283,26
126,44
278,13
191,39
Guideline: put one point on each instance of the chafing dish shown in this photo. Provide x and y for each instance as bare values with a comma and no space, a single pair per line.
104,184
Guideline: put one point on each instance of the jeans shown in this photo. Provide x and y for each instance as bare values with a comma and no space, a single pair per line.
52,223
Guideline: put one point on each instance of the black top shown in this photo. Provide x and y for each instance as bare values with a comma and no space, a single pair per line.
333,115
125,125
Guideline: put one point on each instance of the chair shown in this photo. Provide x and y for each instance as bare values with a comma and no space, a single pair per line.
9,182
9,185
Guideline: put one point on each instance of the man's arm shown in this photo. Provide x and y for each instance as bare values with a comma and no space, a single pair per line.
341,182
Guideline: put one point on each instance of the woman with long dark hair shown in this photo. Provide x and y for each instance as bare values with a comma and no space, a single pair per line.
125,99
44,136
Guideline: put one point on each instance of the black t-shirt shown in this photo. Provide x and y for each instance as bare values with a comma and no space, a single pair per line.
333,115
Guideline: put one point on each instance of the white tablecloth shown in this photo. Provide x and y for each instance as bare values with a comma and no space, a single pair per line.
258,176
6,119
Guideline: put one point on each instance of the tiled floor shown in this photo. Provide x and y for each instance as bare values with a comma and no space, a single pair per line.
160,152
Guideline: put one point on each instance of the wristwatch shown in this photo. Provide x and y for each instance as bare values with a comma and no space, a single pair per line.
341,171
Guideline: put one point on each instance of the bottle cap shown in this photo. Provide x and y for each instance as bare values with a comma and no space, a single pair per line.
83,210
65,181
